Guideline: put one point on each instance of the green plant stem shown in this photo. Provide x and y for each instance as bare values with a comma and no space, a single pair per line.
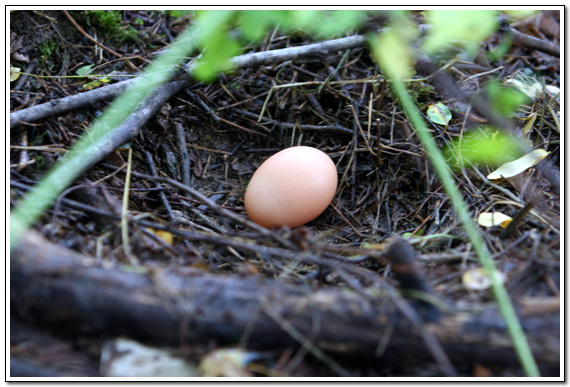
79,76
66,171
513,325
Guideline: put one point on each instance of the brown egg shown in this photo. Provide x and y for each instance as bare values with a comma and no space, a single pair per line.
291,188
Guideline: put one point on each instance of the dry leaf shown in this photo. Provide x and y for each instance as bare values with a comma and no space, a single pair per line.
227,363
517,166
491,219
529,124
127,358
552,91
478,279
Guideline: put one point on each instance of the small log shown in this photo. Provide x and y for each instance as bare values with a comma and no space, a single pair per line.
54,286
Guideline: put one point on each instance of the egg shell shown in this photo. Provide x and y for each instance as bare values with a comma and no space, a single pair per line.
291,188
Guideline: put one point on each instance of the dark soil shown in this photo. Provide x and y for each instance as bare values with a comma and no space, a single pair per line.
386,183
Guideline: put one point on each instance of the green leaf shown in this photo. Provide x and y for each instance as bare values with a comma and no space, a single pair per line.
216,57
439,114
212,26
306,18
178,13
338,22
392,47
254,24
520,13
466,27
393,54
505,100
488,146
84,70
218,47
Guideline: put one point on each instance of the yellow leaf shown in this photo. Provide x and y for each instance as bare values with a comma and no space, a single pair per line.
478,279
517,166
491,219
95,84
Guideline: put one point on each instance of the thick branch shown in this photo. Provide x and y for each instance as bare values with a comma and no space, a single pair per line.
77,295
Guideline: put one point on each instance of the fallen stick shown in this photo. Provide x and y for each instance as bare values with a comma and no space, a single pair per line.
77,295
72,102
535,43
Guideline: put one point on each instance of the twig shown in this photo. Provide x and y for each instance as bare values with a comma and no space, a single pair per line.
183,157
203,105
152,168
24,76
242,127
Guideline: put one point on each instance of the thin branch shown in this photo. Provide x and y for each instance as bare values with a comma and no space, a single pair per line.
72,102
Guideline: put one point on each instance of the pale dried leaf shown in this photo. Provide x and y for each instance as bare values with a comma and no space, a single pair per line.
491,219
520,165
529,124
227,363
478,279
20,57
127,358
552,91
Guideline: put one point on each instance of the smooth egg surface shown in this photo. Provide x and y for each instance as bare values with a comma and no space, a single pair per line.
291,188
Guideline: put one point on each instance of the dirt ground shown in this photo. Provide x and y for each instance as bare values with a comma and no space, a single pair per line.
386,186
